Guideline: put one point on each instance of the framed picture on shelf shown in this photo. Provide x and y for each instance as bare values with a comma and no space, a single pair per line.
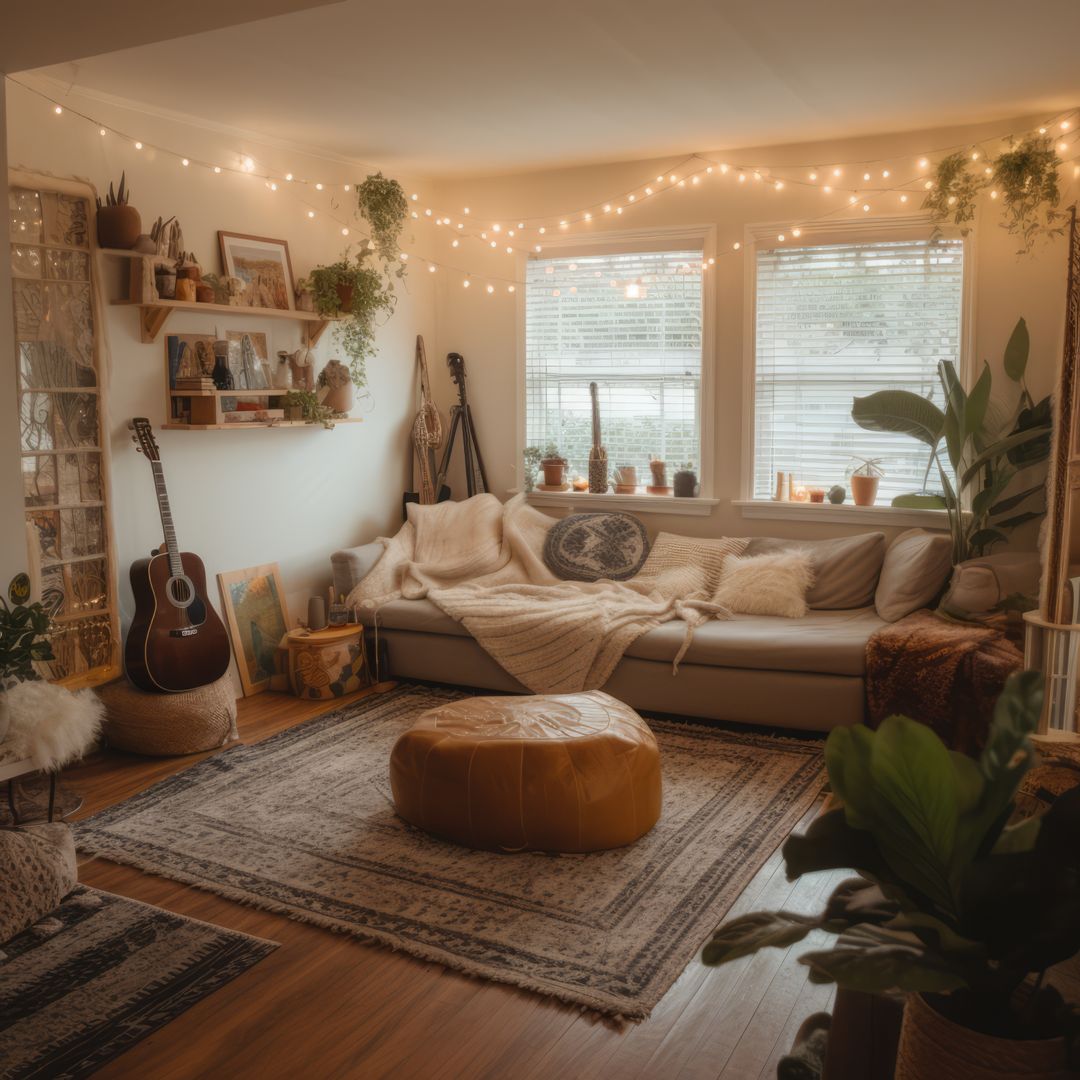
263,265
249,363
257,617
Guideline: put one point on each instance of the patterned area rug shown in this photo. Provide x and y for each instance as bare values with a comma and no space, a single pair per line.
101,973
303,824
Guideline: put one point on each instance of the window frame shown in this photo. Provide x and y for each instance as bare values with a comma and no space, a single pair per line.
601,243
763,236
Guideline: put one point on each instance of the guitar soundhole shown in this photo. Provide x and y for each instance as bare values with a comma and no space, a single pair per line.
180,591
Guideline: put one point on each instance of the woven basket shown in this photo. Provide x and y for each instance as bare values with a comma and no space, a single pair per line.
162,725
933,1047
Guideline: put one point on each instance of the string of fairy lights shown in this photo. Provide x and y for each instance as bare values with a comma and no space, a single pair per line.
880,189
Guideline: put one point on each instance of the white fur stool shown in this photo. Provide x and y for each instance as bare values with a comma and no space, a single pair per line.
163,725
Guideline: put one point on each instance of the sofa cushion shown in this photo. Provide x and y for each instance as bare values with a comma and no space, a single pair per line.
588,547
846,568
824,642
917,566
420,615
38,872
766,584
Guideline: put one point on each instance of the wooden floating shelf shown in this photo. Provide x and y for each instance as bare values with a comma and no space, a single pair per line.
269,392
250,425
152,316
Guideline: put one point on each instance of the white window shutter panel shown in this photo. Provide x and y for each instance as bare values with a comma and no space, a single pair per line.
631,323
843,320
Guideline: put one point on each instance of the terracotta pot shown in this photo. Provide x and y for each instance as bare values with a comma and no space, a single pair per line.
345,295
204,294
554,471
118,227
864,489
932,1046
185,289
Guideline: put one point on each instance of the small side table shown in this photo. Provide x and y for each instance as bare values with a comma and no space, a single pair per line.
327,663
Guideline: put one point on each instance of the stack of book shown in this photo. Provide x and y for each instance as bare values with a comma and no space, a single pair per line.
194,384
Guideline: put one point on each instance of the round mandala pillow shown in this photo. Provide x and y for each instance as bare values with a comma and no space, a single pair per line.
587,547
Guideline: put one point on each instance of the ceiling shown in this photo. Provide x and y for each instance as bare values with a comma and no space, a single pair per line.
488,85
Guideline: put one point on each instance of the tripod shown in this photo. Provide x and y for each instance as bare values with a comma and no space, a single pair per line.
461,420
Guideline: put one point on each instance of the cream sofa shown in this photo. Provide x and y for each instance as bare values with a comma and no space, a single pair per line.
796,673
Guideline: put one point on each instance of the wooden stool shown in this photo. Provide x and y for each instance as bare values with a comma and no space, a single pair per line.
327,663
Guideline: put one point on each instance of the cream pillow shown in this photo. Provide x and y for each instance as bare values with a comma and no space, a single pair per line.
916,568
767,584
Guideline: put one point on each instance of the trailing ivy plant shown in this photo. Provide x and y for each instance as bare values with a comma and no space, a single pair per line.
1023,178
382,204
370,295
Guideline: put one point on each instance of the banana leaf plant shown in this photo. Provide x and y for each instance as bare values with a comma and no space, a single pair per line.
23,630
951,899
979,464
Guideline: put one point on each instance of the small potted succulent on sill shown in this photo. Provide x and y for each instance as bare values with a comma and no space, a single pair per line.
530,457
957,904
865,474
554,466
118,223
685,481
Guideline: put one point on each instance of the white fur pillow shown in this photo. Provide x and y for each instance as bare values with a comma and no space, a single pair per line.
767,584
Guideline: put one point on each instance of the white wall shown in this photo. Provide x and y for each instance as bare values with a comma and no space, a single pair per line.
485,328
242,498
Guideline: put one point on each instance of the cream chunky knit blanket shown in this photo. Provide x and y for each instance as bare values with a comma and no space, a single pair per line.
481,562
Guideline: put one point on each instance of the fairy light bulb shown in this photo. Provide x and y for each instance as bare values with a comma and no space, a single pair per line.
1064,125
884,174
757,175
403,256
414,215
465,211
466,283
903,198
490,289
778,186
427,212
1042,131
742,178
607,208
736,246
510,232
538,249
853,199
780,237
563,224
509,251
866,208
588,217
455,242
431,268
186,163
273,186
618,209
494,244
813,177
217,168
483,236
138,146
248,165
827,189
712,261
838,172
673,178
414,197
648,191
288,176
923,163
794,232
102,131
632,198
58,110
974,155
311,213
347,187
541,230
496,228
928,185
724,167
988,171
993,194
866,176
695,180
1062,147
511,288
318,187
345,231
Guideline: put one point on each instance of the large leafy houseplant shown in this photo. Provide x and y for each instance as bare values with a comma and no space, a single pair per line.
381,202
23,630
355,294
984,450
952,901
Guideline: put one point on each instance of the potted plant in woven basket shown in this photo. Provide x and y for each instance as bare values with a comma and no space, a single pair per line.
956,906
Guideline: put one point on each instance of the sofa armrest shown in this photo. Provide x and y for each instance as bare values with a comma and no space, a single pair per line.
352,565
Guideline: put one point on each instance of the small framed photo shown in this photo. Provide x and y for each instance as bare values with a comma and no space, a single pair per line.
258,618
263,265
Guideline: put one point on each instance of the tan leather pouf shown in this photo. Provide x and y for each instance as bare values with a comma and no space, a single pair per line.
569,772
162,725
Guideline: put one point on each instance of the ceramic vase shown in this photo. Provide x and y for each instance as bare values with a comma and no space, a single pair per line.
864,489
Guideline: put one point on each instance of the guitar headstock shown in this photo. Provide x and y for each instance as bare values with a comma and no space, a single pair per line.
143,438
456,362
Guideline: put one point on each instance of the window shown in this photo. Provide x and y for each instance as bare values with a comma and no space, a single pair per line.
836,321
63,430
631,323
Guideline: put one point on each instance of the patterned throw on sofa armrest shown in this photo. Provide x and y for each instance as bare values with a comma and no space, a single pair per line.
351,565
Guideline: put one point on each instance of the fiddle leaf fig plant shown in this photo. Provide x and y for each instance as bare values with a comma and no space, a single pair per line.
951,898
983,455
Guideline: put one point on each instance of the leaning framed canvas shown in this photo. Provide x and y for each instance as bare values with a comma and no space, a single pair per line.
255,610
263,265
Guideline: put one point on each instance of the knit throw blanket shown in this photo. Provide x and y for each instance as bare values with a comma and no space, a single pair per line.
481,562
947,675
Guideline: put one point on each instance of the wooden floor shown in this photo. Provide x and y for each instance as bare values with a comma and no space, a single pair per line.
326,1005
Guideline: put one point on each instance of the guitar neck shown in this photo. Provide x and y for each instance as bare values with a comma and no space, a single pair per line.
176,567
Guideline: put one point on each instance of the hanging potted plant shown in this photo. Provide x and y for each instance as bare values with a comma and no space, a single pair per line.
382,204
354,294
865,474
118,223
960,910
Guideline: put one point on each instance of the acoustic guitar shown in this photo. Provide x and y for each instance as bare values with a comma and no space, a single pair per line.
177,641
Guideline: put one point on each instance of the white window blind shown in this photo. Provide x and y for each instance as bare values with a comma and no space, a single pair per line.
843,320
631,323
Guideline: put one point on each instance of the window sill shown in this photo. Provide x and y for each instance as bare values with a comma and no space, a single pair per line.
637,504
844,514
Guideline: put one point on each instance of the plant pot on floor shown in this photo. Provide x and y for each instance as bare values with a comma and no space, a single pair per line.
118,227
864,489
933,1046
